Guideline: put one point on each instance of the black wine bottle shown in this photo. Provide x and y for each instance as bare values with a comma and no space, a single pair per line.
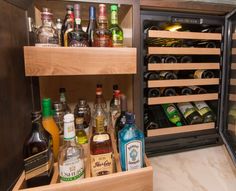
184,90
199,74
186,59
152,92
171,59
167,75
168,92
151,76
152,59
197,90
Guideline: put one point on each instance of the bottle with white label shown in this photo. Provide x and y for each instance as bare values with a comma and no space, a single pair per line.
71,155
131,145
205,111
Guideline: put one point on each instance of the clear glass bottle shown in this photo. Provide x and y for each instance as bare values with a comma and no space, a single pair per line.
80,132
131,145
71,155
115,106
77,37
66,107
46,35
116,30
102,35
59,27
92,25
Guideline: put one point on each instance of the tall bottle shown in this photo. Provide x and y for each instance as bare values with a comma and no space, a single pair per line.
172,114
77,37
115,90
59,27
68,24
46,35
131,145
115,106
71,156
102,35
50,126
116,30
99,97
92,25
101,150
38,157
205,111
66,107
190,113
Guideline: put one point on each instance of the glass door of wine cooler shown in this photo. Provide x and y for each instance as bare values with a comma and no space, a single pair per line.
228,102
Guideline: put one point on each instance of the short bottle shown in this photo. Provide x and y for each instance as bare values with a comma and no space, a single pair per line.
92,25
116,30
80,132
62,92
131,145
71,155
50,126
46,35
205,111
38,157
190,113
101,153
172,114
115,106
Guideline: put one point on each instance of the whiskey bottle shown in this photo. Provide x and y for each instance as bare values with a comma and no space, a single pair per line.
198,74
38,157
167,75
172,114
168,92
77,37
184,90
80,132
101,154
115,106
116,30
71,155
197,90
205,111
92,25
131,145
66,107
102,35
46,35
190,113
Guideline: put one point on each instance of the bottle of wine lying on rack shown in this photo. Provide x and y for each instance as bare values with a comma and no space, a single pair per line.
170,59
168,92
198,74
172,114
151,76
197,90
167,75
205,111
186,59
153,59
184,90
152,92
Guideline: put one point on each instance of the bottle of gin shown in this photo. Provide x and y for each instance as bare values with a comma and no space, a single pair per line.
38,157
80,132
77,37
131,145
71,155
101,150
66,107
117,32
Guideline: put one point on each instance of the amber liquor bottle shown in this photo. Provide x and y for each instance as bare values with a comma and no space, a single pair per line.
101,150
102,35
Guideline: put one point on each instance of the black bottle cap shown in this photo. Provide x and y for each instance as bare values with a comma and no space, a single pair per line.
62,90
115,87
129,118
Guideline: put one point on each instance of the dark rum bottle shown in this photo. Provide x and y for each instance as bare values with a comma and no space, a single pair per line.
102,35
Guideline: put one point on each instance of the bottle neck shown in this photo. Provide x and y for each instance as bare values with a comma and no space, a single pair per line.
78,24
69,131
114,18
47,22
62,98
100,125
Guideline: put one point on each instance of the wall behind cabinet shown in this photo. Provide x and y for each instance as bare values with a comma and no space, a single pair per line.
15,95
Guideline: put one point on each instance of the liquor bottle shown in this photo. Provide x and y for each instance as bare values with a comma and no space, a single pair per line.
152,92
71,155
115,106
50,126
59,27
66,107
199,74
38,157
153,59
116,30
168,92
99,95
68,25
197,90
102,35
151,76
83,110
131,145
190,113
167,75
77,37
46,35
186,59
92,25
80,132
101,150
172,114
205,111
120,122
58,115
184,90
170,59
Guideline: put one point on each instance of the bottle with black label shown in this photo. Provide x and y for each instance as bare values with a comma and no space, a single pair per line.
199,74
151,76
38,157
190,113
152,92
167,75
168,92
184,91
197,90
205,111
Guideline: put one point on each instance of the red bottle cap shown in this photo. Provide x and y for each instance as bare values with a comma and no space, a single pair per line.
102,13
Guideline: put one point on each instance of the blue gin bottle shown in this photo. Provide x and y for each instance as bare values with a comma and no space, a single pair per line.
131,145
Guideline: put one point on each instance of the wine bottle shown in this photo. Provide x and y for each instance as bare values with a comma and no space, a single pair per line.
186,59
168,92
205,111
152,92
199,74
151,76
197,90
171,59
92,25
172,114
152,59
167,75
184,90
190,113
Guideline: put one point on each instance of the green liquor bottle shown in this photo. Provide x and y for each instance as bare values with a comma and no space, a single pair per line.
205,111
172,114
116,30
